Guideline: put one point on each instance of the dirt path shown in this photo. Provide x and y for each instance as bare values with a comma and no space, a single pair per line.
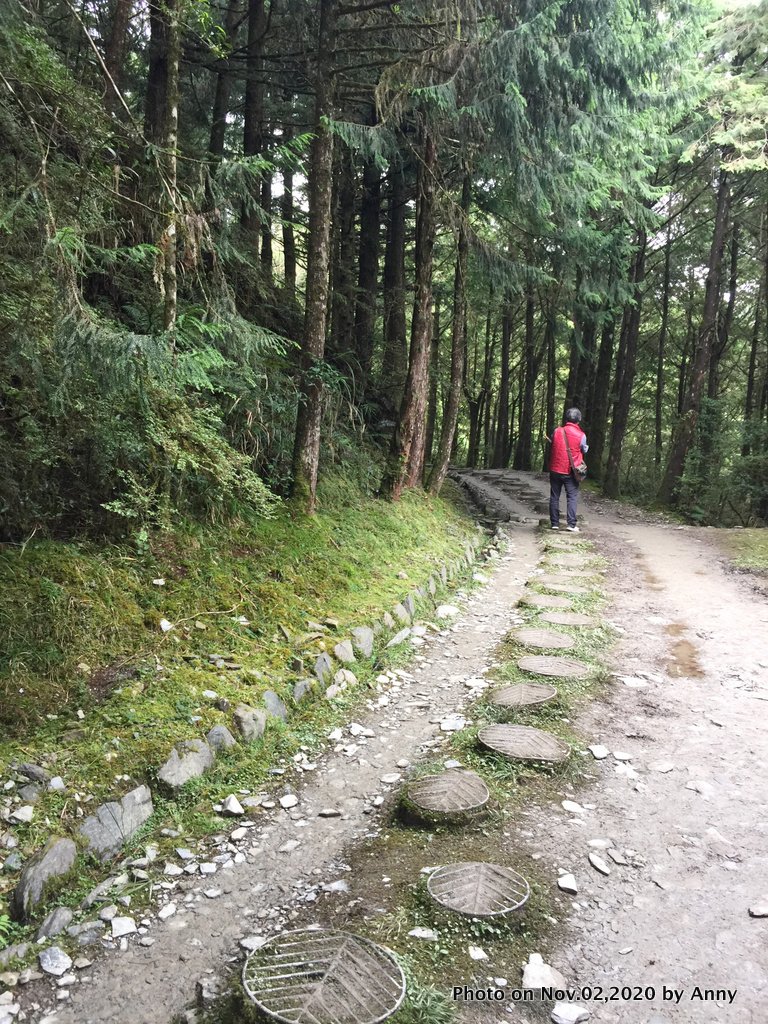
688,815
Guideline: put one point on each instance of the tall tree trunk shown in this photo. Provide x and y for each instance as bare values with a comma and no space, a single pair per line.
223,88
725,320
367,273
434,378
598,415
661,351
627,379
306,451
458,346
266,228
501,433
406,462
114,52
550,337
253,108
343,295
289,240
525,434
749,398
395,357
156,98
688,343
686,428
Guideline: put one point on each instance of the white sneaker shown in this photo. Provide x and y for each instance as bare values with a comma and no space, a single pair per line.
573,529
554,527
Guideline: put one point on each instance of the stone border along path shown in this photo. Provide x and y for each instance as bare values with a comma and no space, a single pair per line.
252,873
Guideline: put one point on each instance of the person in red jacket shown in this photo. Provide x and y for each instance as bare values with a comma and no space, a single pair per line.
560,473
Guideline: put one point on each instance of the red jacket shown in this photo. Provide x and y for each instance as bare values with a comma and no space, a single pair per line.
558,457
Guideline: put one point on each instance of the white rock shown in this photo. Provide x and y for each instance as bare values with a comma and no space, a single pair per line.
622,755
759,909
253,942
122,926
167,911
289,800
289,846
239,833
617,857
572,807
661,766
54,961
599,864
335,735
567,883
390,779
453,723
165,625
569,1013
537,974
208,868
429,934
172,870
446,611
599,752
22,815
476,953
232,807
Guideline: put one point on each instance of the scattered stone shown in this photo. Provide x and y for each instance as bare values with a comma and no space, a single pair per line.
22,815
29,793
29,974
401,613
167,911
56,785
390,779
303,689
323,667
400,637
621,755
54,860
538,975
572,807
362,640
82,962
13,862
54,923
476,953
329,812
618,858
250,722
567,883
453,723
88,933
34,772
288,801
188,760
446,611
569,1013
275,706
343,652
211,894
122,926
661,766
54,961
428,934
599,752
759,909
289,846
115,822
220,738
231,807
208,868
599,864
252,942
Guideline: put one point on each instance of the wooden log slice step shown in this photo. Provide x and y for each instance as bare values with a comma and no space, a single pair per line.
555,569
523,743
567,560
545,601
521,695
569,619
562,588
451,792
477,889
324,977
550,579
549,665
547,639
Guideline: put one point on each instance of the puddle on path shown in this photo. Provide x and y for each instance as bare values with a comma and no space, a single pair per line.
684,656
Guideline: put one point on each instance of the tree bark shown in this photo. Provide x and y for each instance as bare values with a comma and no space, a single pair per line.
522,458
367,273
406,461
501,433
253,107
661,351
684,434
458,346
342,275
395,357
289,240
550,336
306,452
725,320
434,367
114,52
598,414
624,396
223,88
266,228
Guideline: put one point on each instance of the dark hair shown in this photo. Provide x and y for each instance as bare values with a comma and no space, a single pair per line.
573,416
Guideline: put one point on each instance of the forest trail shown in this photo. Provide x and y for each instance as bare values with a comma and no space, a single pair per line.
694,834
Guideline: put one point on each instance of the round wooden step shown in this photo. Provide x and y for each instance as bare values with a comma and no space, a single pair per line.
477,889
545,601
547,639
563,588
569,619
451,792
559,668
520,695
521,742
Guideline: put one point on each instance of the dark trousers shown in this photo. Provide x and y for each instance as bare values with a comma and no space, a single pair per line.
556,482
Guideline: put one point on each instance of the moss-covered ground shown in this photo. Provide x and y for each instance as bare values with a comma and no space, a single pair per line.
388,893
747,549
92,688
